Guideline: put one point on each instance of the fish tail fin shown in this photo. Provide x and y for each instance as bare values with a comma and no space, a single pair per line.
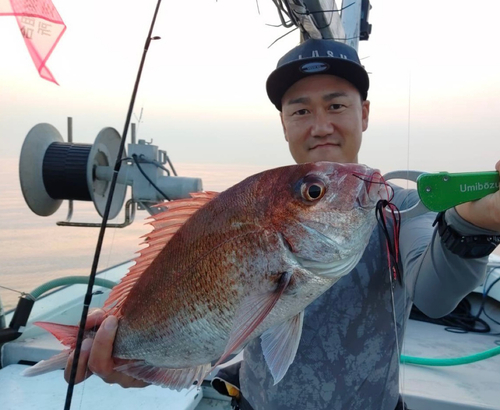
67,336
45,366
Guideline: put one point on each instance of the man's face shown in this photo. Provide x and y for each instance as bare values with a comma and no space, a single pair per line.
323,119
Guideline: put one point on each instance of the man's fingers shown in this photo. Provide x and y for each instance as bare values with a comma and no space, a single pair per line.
96,355
82,372
94,318
100,360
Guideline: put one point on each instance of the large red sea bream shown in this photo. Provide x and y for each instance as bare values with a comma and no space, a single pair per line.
223,269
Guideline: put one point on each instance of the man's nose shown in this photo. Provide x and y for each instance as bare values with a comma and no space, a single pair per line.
323,125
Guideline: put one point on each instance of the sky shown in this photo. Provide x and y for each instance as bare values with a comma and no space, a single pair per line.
433,70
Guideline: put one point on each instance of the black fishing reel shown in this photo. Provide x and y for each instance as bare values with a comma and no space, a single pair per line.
52,170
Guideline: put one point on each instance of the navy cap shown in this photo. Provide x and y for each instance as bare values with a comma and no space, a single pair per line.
316,57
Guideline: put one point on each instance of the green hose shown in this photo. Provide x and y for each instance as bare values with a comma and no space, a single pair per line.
425,361
69,280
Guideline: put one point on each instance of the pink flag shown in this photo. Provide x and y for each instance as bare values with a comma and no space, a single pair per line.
41,27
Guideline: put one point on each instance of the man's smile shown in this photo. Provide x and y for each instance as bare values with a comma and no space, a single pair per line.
325,145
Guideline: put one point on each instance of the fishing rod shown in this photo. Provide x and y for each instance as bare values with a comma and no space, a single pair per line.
93,272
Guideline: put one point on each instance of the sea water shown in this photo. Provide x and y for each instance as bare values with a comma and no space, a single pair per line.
34,250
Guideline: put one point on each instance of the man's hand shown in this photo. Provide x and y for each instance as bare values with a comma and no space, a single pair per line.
484,212
95,356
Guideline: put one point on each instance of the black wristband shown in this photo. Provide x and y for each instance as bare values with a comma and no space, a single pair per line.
465,246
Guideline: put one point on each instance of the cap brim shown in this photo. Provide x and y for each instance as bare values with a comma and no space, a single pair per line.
285,76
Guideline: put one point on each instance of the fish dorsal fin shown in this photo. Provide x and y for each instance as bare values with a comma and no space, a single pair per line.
280,344
165,225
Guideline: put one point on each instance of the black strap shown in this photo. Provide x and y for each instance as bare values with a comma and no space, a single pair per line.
229,374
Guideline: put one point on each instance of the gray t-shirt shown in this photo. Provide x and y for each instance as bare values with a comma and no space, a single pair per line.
348,353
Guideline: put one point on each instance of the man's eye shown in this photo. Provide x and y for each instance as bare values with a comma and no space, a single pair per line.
303,111
336,106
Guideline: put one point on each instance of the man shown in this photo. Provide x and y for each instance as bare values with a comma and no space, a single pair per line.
348,357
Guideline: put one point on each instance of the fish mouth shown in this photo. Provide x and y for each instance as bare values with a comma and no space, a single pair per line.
374,189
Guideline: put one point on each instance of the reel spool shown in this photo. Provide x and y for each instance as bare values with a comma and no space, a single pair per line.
51,170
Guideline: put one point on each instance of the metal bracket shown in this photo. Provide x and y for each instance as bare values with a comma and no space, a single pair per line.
129,218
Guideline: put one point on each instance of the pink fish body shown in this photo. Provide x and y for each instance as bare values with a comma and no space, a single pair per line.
223,269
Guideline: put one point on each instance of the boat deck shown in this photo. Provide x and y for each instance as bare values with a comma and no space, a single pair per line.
470,386
474,386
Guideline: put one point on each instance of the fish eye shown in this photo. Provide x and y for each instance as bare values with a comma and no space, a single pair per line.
312,191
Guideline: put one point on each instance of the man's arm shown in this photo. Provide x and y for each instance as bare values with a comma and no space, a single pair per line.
443,279
437,278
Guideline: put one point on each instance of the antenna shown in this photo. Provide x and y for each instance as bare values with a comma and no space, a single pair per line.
140,116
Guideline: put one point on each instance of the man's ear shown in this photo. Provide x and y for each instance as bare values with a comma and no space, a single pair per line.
283,125
365,113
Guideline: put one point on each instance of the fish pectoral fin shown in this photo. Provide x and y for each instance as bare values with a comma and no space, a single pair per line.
280,344
251,313
176,379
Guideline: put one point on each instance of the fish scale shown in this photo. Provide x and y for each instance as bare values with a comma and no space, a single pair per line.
170,331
